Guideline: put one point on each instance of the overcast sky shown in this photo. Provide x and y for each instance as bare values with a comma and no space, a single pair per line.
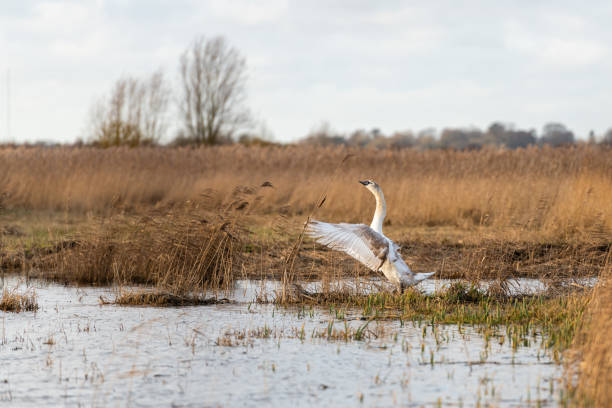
393,65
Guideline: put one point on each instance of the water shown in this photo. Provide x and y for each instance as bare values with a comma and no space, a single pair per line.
76,352
269,290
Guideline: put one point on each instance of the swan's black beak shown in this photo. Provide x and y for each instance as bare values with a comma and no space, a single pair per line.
365,183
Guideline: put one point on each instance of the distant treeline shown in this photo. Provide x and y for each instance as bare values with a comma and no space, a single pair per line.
497,134
210,107
210,99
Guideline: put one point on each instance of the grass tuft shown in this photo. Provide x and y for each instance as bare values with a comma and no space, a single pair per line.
591,354
13,301
159,299
556,318
183,252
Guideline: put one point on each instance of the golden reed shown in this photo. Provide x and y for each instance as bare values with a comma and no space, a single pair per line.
556,193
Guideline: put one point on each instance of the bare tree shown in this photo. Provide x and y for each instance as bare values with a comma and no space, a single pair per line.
461,139
556,134
156,97
607,138
213,91
323,135
133,114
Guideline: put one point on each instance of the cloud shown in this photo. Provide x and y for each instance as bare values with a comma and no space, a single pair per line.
65,29
393,65
561,42
405,41
447,103
248,11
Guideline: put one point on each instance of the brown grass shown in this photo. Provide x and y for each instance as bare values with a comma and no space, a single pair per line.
538,212
591,357
483,259
559,194
135,215
183,252
13,301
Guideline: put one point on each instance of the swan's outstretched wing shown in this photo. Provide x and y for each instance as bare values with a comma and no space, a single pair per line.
358,240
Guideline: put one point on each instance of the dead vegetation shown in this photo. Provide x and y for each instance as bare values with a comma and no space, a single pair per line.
137,216
181,253
539,213
156,298
490,259
591,356
484,259
556,195
14,301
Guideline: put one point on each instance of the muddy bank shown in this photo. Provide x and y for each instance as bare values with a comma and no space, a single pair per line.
485,260
454,260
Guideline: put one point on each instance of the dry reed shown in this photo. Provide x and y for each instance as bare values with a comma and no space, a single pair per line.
591,357
13,301
538,212
182,253
561,194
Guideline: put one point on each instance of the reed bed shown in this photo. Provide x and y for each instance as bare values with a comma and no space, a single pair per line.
591,356
181,254
133,216
174,221
560,194
490,214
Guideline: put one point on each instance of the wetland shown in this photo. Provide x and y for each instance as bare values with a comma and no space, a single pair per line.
182,277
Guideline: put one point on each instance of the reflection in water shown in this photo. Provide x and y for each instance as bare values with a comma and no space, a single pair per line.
74,351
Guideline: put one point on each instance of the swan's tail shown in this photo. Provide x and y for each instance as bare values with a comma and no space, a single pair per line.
422,276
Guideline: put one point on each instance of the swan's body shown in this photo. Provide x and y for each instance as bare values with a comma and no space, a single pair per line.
368,244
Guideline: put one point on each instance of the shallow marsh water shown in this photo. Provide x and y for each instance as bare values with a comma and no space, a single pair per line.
76,352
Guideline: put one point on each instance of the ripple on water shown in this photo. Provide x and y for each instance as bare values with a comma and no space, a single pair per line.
75,351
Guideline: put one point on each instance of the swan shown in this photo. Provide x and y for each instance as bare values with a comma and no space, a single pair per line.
368,244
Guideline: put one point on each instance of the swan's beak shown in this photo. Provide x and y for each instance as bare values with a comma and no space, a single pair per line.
365,183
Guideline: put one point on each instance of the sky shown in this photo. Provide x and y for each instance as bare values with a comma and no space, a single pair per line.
391,65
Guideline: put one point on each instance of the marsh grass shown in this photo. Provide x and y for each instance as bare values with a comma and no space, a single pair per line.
555,317
173,221
557,194
342,331
156,298
14,301
473,261
181,253
491,214
589,367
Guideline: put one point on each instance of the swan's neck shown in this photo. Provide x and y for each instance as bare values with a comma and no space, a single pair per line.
379,214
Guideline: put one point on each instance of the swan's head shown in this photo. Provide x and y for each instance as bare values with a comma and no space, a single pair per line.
372,186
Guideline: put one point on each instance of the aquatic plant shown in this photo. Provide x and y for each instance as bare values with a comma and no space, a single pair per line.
14,301
556,317
148,297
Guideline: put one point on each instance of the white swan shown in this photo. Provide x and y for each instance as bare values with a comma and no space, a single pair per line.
368,244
